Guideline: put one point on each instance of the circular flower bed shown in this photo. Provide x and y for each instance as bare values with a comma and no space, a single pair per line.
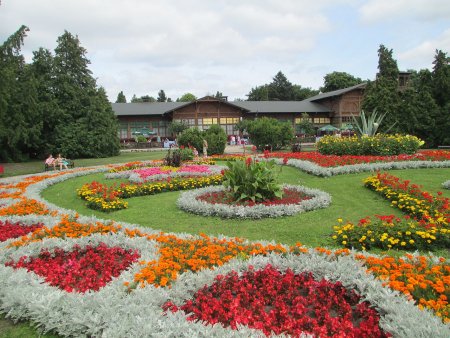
283,303
199,202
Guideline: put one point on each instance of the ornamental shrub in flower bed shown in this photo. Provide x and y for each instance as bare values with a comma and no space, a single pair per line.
283,303
380,144
198,202
103,198
13,230
79,270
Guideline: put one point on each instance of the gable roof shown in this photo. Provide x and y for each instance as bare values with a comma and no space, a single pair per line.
282,106
145,108
336,92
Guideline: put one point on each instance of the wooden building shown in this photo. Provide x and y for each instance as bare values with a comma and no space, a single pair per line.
334,107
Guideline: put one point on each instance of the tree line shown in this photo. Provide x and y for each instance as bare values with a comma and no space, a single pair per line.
53,104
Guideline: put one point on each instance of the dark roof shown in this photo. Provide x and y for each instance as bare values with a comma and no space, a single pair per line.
161,108
282,106
144,108
336,92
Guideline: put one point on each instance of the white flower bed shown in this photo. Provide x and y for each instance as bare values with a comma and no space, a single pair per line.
112,312
317,170
188,201
446,184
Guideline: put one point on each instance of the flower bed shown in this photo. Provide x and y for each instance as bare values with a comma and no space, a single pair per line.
192,201
283,303
446,184
109,198
428,230
410,198
13,230
380,144
79,270
121,310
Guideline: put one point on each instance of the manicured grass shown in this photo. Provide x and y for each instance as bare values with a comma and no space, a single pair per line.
9,329
350,201
33,167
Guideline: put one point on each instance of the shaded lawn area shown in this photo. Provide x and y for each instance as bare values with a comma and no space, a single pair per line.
33,167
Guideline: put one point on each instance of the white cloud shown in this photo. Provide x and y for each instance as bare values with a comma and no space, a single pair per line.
381,10
422,55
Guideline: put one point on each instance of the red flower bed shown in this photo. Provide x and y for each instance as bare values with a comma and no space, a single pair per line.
334,160
14,230
81,269
223,197
277,302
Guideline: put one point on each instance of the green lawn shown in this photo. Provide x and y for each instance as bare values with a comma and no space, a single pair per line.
33,167
350,201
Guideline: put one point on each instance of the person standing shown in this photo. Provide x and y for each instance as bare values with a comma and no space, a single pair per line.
205,148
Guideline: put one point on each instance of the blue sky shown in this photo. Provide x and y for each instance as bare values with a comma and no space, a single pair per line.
200,46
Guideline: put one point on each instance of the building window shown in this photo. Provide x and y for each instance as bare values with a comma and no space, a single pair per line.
123,130
322,120
347,119
299,120
209,121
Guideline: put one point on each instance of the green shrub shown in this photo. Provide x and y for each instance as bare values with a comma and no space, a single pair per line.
217,140
173,158
271,132
191,137
252,180
141,139
379,144
186,154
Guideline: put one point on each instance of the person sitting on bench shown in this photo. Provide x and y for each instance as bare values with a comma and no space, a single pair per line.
62,162
50,161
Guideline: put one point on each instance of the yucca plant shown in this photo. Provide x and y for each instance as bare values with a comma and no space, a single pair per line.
368,124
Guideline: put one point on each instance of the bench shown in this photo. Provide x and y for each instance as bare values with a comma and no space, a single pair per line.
443,147
70,164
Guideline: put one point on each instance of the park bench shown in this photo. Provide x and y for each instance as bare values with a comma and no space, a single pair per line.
443,147
70,164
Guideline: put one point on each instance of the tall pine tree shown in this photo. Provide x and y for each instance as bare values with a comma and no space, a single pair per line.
441,94
121,98
382,94
19,125
83,112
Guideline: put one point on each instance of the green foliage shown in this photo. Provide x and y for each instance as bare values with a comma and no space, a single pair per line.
383,94
252,180
339,80
121,98
216,138
269,131
186,154
188,97
177,127
173,158
368,124
191,137
141,139
280,89
20,125
305,126
161,96
379,144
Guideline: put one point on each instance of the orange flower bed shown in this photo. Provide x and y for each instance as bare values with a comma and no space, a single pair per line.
180,255
67,228
26,207
416,277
